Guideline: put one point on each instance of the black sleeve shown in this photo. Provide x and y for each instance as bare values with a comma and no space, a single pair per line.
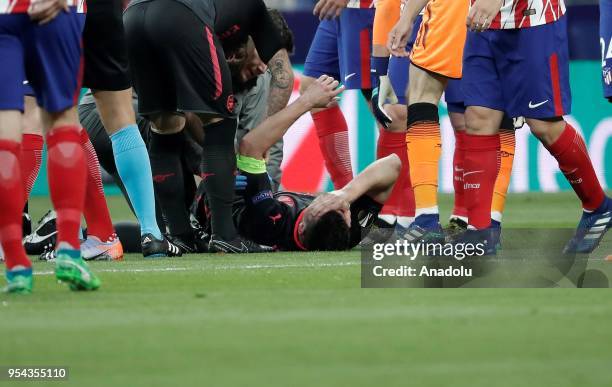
265,34
265,219
237,19
364,211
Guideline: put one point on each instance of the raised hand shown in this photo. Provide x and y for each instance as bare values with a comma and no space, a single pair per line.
482,14
322,93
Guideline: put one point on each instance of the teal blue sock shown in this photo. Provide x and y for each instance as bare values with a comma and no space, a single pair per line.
134,167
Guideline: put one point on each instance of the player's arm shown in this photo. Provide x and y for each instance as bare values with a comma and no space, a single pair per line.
376,181
281,83
399,35
321,94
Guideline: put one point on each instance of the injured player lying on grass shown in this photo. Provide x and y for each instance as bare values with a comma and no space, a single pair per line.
294,221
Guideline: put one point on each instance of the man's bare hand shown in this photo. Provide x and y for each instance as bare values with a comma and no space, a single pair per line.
329,9
482,14
398,37
332,201
43,11
322,93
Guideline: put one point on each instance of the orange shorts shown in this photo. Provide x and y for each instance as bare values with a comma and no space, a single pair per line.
439,44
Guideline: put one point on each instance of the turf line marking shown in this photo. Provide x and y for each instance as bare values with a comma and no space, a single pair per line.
224,267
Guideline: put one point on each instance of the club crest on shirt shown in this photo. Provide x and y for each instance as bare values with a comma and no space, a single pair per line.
607,75
231,103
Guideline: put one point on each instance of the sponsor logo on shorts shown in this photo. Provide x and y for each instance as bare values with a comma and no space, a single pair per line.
351,75
536,105
263,195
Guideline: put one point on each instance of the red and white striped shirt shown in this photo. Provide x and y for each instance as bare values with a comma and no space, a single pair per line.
527,13
21,6
359,4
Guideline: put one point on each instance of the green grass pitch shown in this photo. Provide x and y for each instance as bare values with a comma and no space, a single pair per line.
301,319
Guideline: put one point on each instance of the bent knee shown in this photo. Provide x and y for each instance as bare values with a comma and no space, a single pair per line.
168,122
481,120
399,115
547,131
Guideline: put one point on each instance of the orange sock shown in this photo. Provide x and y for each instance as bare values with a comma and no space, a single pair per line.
424,150
508,143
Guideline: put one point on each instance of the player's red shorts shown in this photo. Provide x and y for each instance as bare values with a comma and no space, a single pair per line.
439,45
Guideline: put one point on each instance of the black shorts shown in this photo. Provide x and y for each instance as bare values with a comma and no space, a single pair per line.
176,60
105,52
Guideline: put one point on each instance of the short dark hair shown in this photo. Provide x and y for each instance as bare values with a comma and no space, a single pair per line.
283,28
329,233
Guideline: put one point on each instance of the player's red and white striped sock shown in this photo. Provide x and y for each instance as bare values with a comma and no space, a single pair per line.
575,163
459,210
11,197
334,143
96,212
401,200
67,180
481,164
30,160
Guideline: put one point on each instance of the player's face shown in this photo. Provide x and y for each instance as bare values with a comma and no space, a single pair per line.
253,66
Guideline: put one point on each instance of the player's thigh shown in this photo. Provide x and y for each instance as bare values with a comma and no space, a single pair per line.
399,67
481,85
439,44
12,57
457,120
54,65
455,104
425,86
534,67
399,114
355,47
105,50
322,58
32,119
195,58
151,75
482,120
